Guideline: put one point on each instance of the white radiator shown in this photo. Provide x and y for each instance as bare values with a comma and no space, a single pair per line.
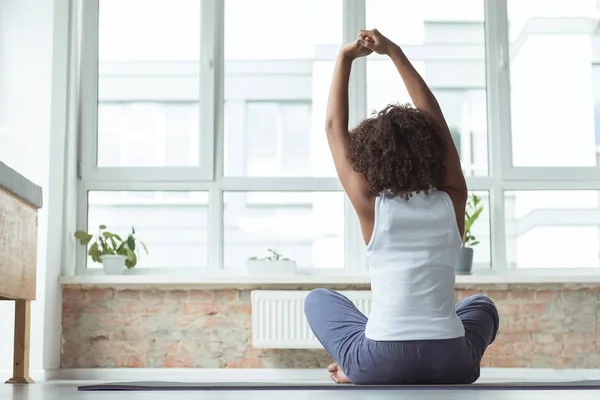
278,320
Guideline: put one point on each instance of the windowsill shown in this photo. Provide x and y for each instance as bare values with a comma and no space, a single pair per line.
241,281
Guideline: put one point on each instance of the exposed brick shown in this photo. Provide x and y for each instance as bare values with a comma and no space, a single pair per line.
554,326
520,324
486,362
178,362
513,337
494,349
508,309
69,322
137,307
544,296
227,296
533,309
95,308
131,333
464,293
129,294
543,338
71,308
251,351
510,361
251,362
172,347
538,324
73,295
101,294
497,295
574,349
130,361
548,349
178,295
521,294
153,295
202,308
243,309
574,337
201,296
114,320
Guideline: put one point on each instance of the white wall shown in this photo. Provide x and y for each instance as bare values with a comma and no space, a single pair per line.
25,77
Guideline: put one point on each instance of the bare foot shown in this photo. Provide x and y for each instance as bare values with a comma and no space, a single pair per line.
337,375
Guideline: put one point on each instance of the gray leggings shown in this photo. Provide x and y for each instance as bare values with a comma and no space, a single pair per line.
340,327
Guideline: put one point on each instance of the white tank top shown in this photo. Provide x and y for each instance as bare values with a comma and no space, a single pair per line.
412,253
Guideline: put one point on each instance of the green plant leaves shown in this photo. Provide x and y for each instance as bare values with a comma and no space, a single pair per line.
275,256
110,243
472,213
131,259
131,242
83,237
94,252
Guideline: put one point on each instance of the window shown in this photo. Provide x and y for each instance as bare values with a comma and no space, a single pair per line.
207,134
153,133
276,92
446,43
553,97
553,229
148,83
305,227
273,139
173,225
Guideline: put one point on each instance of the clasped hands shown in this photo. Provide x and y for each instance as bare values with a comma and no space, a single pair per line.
368,41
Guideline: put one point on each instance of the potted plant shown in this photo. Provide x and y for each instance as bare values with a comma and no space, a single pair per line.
111,250
464,264
273,264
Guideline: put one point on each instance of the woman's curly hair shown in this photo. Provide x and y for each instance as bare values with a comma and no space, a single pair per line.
399,150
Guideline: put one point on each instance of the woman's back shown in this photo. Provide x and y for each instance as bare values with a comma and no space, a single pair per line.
412,252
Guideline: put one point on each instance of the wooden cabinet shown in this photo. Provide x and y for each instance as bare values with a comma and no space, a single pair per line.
20,201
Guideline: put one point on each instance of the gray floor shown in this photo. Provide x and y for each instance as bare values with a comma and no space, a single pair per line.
68,391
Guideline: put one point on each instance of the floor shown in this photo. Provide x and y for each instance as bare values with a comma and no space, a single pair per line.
68,391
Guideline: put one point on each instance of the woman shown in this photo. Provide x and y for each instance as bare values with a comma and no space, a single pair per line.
402,174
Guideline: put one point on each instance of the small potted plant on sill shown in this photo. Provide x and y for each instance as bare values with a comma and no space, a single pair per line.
273,264
111,250
464,264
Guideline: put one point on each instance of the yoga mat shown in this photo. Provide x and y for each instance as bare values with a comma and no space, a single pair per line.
235,386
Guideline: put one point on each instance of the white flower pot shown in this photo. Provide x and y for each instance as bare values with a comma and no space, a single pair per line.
464,264
266,267
113,265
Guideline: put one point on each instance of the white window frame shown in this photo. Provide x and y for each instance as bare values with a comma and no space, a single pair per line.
208,176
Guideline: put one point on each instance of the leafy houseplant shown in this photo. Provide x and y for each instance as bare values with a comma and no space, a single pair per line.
111,250
272,264
473,211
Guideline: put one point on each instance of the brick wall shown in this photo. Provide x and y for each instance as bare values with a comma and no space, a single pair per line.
541,327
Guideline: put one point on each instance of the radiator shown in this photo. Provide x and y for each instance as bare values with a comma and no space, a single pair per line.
278,320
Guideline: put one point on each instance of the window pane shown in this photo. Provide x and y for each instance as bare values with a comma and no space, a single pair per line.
446,43
553,48
276,94
481,231
173,225
553,229
148,83
305,227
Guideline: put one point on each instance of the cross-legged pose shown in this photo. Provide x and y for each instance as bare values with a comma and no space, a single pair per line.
402,174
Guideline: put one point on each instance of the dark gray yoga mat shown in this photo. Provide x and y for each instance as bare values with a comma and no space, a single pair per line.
234,386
